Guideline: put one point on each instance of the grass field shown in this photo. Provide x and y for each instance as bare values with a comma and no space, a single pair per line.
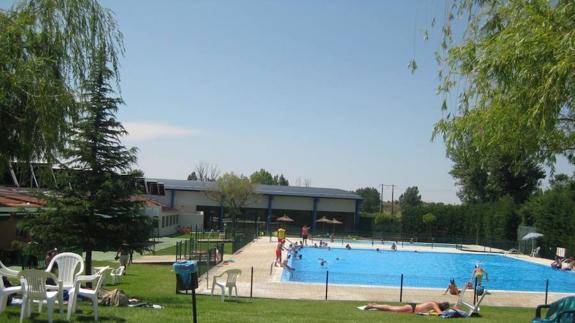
156,284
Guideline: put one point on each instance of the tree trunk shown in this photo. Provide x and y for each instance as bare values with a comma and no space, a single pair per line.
88,269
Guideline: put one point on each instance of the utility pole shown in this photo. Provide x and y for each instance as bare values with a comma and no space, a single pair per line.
381,198
392,189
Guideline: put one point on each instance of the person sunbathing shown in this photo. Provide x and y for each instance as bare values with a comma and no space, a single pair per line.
452,288
410,308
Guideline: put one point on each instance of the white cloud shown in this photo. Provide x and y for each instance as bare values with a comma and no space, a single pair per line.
139,131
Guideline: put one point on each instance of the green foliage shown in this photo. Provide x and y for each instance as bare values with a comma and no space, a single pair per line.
493,221
281,180
428,218
233,192
553,213
410,198
371,200
43,60
94,209
192,177
385,222
512,71
483,178
262,176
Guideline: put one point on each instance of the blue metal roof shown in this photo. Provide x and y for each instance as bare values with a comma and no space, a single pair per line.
184,185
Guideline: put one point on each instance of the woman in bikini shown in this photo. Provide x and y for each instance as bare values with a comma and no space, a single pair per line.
410,307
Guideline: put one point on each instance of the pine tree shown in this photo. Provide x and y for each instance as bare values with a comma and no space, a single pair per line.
95,209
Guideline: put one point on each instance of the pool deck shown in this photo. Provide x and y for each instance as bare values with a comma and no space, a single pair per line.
260,255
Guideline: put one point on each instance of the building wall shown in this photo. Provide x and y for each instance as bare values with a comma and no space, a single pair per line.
194,220
187,202
8,232
292,203
335,205
168,223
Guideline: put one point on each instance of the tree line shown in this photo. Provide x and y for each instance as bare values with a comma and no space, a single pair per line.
491,222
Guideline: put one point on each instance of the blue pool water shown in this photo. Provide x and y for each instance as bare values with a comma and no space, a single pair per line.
424,270
388,243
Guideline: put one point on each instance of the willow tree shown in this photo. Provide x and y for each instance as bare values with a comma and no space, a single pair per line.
511,75
46,51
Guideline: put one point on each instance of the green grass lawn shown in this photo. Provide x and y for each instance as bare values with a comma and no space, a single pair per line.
156,284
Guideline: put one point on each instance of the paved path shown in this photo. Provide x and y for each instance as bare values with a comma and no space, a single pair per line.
259,254
154,259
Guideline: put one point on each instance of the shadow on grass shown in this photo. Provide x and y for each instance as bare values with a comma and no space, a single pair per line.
36,317
90,318
238,301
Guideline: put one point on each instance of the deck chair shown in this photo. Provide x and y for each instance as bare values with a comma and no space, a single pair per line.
535,252
34,289
5,271
116,275
68,264
105,272
232,276
562,311
466,306
92,294
5,291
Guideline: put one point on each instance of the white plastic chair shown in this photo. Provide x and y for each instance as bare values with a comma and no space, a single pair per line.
92,294
232,276
105,272
34,289
467,306
5,292
68,263
116,274
5,271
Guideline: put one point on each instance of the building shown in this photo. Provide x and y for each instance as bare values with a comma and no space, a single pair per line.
303,204
14,203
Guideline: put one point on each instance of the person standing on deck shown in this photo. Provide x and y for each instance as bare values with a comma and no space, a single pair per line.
478,273
304,233
281,233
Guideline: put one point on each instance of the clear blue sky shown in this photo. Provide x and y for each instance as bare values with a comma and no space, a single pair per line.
315,90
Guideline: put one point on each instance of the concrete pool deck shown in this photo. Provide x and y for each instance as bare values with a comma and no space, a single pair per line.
260,256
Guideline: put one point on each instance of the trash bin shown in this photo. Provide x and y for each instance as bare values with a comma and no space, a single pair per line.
186,279
186,275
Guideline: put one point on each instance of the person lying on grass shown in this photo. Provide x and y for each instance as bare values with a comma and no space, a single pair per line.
410,308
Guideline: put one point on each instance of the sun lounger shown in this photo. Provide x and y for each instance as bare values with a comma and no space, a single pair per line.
559,312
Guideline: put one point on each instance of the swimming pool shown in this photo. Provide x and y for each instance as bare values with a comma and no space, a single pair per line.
423,270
